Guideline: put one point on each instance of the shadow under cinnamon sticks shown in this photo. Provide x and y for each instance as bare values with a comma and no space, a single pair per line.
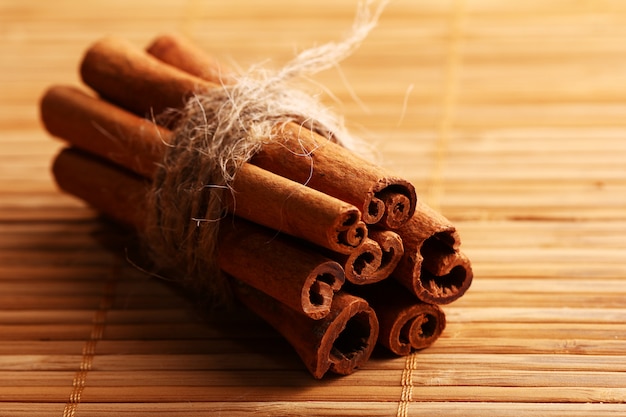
243,330
344,337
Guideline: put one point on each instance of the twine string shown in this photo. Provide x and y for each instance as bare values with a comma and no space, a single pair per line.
218,131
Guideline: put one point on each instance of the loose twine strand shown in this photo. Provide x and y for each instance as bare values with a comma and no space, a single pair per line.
218,131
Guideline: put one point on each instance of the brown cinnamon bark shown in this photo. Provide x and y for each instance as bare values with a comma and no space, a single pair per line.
304,156
179,52
136,81
146,86
394,202
300,278
258,195
446,273
406,323
374,260
432,267
340,342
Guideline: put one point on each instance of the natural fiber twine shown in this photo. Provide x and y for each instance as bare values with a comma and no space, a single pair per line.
221,129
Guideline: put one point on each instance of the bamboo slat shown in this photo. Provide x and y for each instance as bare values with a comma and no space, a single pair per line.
509,118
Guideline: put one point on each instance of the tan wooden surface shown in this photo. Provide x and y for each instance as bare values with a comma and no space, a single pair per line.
510,118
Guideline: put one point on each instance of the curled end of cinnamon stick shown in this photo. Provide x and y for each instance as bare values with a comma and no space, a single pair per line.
341,342
449,281
396,338
373,210
349,338
375,259
320,288
426,327
349,232
399,200
433,268
391,203
406,323
415,327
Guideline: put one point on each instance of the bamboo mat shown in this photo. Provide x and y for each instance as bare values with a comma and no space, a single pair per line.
510,118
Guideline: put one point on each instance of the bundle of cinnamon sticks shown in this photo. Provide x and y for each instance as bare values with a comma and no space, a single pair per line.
333,251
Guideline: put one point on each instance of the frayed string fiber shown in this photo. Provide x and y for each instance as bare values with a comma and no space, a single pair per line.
218,131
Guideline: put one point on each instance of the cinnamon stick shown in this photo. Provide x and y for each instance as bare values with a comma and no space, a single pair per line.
145,85
258,195
300,278
406,323
432,267
340,342
374,260
183,54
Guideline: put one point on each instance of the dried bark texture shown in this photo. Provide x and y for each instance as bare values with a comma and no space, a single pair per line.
381,196
406,323
179,52
373,261
257,195
295,178
136,81
432,267
104,129
340,342
302,279
304,156
295,275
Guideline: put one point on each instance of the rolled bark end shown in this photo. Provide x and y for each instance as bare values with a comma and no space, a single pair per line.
350,231
373,210
398,338
375,259
405,322
392,251
363,262
446,274
340,342
426,326
321,286
399,201
432,267
279,266
414,327
379,203
450,281
351,336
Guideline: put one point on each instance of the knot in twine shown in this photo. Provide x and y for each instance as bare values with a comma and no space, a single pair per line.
221,129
